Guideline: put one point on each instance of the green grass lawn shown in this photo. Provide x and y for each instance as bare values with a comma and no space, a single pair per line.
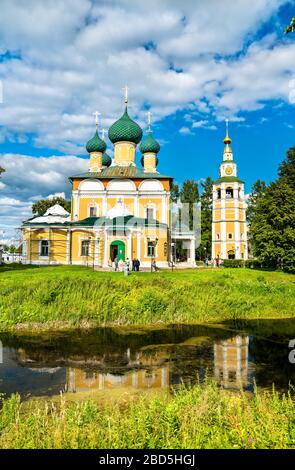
77,295
201,417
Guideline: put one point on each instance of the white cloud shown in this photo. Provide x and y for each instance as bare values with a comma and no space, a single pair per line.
28,176
185,130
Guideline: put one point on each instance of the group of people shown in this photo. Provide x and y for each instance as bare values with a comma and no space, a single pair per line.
125,265
135,265
216,262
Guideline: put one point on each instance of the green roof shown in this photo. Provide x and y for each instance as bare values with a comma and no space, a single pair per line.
125,130
228,179
130,172
149,144
127,221
96,144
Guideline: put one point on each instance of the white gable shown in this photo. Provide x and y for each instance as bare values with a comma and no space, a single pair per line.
151,185
121,185
91,185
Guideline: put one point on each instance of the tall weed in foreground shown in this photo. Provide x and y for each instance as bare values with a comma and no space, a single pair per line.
204,416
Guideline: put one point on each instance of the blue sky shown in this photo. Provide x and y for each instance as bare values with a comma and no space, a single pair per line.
192,63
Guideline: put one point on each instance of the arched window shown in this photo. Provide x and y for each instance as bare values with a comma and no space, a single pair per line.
229,193
218,193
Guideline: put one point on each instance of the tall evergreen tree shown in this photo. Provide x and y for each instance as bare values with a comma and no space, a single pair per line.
174,192
205,247
258,189
273,222
190,194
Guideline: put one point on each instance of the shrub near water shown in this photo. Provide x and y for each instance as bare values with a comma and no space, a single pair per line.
200,417
76,294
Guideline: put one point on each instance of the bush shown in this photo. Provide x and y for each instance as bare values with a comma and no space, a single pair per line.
233,263
253,264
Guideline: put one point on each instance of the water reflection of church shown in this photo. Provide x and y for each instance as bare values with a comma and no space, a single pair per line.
230,369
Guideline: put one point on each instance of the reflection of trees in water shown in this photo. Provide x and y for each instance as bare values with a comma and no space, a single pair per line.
271,362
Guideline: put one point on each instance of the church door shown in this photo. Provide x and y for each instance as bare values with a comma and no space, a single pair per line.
231,254
117,250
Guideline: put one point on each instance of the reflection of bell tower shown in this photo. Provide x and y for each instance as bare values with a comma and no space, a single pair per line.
229,230
231,362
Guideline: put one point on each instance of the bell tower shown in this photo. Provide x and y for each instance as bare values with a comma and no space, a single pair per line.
229,229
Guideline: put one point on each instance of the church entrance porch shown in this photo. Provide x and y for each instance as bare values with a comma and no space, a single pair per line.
117,250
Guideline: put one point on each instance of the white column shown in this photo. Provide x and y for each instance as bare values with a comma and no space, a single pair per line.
75,211
68,246
139,245
104,204
130,246
193,252
105,260
136,205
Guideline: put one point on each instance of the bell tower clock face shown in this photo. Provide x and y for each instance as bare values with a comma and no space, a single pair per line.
228,170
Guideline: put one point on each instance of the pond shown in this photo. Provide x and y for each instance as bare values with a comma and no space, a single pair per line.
237,355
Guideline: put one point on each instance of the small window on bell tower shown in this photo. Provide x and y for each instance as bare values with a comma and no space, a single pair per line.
229,193
218,193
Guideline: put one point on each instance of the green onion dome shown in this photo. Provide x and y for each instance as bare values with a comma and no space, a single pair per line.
96,144
149,144
106,160
125,130
142,161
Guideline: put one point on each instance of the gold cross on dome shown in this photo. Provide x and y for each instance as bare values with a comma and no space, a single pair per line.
149,115
96,114
125,88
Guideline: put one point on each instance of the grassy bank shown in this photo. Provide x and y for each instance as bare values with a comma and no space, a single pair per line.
76,294
201,417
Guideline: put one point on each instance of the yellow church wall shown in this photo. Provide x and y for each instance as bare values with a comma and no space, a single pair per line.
124,152
230,214
85,203
217,227
162,244
153,202
230,228
217,214
217,249
57,245
77,237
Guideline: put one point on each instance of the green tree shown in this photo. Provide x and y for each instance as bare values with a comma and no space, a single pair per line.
40,207
174,192
273,222
205,247
190,194
2,170
257,190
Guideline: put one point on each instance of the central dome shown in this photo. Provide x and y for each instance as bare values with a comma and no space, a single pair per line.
125,130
